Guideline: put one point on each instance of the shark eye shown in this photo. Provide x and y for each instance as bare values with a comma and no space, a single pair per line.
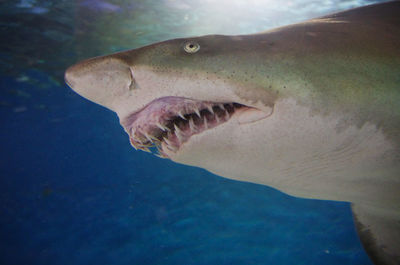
191,47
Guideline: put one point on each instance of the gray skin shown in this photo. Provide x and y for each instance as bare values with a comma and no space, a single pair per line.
332,85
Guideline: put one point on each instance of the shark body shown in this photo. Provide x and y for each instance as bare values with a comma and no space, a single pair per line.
311,109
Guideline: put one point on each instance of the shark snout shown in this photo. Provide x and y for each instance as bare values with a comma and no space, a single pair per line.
101,80
69,76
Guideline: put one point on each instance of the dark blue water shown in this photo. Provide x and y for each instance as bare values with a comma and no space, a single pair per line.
73,191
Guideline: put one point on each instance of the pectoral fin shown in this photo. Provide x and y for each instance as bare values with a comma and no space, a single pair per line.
379,231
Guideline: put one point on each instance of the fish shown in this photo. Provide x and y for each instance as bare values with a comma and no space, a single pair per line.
311,109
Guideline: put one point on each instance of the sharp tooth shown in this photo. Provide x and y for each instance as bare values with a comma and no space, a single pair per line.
227,115
133,132
161,155
160,126
132,143
155,139
151,138
143,148
140,143
168,142
146,150
221,106
196,110
171,147
148,137
178,133
210,109
205,123
177,128
179,136
217,118
181,115
191,124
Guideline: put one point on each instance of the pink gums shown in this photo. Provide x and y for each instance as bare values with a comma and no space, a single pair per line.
170,121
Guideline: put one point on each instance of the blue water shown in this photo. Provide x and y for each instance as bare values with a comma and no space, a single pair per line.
73,191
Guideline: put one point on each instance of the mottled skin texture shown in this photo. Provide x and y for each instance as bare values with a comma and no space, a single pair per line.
340,73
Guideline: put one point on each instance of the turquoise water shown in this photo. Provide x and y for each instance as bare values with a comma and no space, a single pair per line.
73,191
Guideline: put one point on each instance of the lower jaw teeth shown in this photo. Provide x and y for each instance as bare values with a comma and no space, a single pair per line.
146,149
169,146
167,141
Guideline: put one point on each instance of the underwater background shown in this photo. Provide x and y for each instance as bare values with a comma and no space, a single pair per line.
73,191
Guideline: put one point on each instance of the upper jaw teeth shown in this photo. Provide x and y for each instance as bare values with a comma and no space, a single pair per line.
196,110
210,109
191,124
163,128
181,115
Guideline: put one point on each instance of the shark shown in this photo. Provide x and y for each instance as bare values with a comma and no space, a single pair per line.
311,109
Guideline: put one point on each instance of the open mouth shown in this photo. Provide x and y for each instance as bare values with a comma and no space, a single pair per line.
167,123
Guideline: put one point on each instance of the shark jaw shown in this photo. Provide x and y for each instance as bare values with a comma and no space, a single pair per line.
167,123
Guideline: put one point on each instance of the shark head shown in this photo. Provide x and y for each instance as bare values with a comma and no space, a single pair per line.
180,96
